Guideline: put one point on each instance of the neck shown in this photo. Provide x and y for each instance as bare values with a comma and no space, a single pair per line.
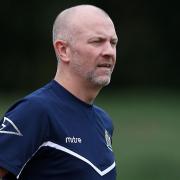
83,91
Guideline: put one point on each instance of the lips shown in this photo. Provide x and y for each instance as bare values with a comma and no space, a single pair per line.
105,65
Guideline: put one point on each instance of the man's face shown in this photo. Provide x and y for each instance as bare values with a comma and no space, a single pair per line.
93,53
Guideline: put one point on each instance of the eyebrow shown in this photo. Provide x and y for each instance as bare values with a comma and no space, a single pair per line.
102,37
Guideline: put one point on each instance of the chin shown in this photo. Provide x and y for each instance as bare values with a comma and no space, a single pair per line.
102,81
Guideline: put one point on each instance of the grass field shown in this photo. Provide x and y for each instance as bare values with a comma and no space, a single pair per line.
147,131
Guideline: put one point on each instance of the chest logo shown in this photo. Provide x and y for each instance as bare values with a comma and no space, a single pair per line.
8,127
73,140
108,140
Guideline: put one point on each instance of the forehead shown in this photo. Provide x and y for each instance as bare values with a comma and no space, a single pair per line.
96,24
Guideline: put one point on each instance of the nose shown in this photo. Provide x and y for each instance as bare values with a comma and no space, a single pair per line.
109,50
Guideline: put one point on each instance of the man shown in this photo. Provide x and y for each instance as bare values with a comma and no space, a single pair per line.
57,132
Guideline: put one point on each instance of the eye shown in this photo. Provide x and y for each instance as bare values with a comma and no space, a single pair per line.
97,41
114,43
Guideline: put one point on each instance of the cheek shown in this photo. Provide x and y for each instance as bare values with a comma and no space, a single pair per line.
114,59
86,55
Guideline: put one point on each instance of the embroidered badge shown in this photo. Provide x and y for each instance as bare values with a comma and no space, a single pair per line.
108,140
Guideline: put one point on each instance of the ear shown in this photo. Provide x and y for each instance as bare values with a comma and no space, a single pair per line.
61,48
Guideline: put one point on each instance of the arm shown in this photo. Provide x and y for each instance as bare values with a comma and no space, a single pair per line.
3,172
17,118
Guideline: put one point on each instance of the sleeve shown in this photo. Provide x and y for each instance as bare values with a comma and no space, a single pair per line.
22,131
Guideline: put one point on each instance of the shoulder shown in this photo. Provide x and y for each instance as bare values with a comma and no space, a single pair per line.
36,100
32,105
101,112
104,116
31,111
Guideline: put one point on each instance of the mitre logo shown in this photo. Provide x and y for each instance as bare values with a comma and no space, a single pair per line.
73,140
8,127
108,140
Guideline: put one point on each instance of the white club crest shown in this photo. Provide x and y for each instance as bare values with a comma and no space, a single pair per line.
108,140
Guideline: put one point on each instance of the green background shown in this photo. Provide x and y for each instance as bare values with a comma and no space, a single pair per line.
146,135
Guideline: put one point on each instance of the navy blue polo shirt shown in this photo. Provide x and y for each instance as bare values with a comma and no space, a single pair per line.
52,135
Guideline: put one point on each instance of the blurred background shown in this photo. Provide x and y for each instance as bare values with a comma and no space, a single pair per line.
144,96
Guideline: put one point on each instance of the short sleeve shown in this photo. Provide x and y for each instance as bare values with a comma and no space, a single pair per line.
22,131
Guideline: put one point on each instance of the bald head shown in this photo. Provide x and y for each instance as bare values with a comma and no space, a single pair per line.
84,39
67,21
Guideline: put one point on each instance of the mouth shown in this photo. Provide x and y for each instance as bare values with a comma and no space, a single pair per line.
105,65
